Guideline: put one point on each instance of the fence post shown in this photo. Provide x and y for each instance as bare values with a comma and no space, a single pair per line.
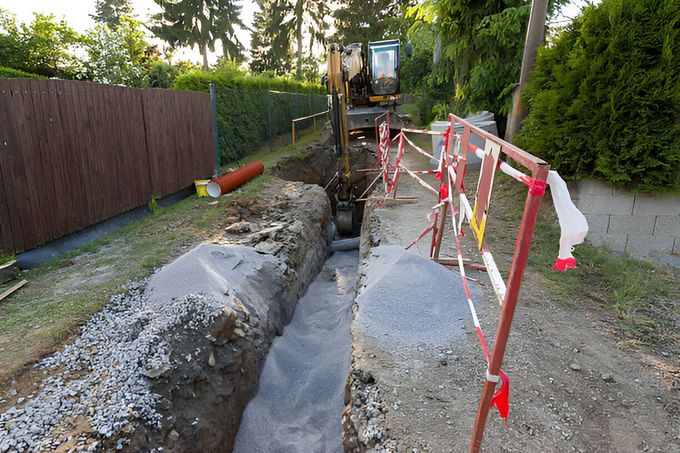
213,107
269,119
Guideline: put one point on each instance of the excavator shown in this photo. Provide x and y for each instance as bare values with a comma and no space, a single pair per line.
358,93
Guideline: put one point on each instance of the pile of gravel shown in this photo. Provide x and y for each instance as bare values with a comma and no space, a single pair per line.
409,301
101,381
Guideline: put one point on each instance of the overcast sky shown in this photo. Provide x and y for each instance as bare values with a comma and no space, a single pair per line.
77,14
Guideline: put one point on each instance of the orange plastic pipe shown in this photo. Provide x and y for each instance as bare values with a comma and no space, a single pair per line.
232,180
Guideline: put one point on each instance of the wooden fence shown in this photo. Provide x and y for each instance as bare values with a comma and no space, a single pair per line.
76,153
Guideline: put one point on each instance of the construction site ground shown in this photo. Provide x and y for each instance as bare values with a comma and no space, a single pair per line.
593,356
587,373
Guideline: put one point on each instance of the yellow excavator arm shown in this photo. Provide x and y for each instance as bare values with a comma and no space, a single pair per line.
336,84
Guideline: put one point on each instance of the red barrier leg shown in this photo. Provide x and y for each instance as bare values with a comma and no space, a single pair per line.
519,262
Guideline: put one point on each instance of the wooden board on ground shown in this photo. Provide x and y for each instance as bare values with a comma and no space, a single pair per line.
12,289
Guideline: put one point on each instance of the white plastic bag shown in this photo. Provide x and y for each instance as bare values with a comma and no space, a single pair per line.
573,223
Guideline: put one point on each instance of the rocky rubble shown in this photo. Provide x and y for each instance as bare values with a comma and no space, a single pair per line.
364,419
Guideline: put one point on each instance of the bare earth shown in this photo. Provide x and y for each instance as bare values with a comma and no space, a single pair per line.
575,385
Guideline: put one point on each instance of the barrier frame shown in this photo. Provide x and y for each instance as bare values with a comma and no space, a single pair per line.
452,171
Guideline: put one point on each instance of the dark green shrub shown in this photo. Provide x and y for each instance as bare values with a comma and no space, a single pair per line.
253,109
161,74
233,78
604,99
17,74
249,117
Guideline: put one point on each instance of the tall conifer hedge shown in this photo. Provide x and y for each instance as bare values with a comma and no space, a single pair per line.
604,98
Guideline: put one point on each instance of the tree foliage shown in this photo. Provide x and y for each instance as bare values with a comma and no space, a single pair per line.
116,56
110,12
308,15
45,46
604,100
363,21
480,50
271,38
199,23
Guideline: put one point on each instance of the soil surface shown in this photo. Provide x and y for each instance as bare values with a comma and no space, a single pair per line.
575,384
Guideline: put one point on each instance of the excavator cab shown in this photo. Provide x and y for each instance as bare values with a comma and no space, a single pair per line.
384,67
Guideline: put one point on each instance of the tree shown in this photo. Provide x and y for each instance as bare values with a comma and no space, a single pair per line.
271,38
11,46
363,21
308,15
604,97
115,56
110,12
45,46
199,23
481,50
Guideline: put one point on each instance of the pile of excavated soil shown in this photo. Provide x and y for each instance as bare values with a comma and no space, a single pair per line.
171,363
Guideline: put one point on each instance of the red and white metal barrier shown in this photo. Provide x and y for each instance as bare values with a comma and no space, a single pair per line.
452,199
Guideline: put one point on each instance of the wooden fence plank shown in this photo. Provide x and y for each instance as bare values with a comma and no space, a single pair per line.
7,243
75,141
22,124
86,134
38,148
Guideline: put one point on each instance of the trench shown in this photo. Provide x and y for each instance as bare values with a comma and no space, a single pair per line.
300,400
300,397
252,328
318,165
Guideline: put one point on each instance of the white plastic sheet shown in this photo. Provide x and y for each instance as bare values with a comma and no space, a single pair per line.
573,224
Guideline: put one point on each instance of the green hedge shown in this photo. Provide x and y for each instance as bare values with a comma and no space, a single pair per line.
604,98
17,74
249,117
199,80
253,109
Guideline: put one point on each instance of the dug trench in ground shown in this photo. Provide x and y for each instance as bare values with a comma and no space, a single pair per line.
417,367
171,362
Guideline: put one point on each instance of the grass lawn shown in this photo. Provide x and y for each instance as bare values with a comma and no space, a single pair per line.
65,292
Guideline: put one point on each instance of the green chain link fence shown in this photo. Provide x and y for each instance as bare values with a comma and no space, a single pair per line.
248,118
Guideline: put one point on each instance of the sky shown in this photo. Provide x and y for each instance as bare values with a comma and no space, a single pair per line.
77,15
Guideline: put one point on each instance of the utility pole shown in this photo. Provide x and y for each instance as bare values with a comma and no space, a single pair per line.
535,36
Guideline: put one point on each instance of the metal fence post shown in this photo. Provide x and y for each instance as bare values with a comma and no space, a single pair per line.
269,119
213,105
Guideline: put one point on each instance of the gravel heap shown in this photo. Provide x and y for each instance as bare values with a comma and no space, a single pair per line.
116,351
101,381
369,414
391,308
